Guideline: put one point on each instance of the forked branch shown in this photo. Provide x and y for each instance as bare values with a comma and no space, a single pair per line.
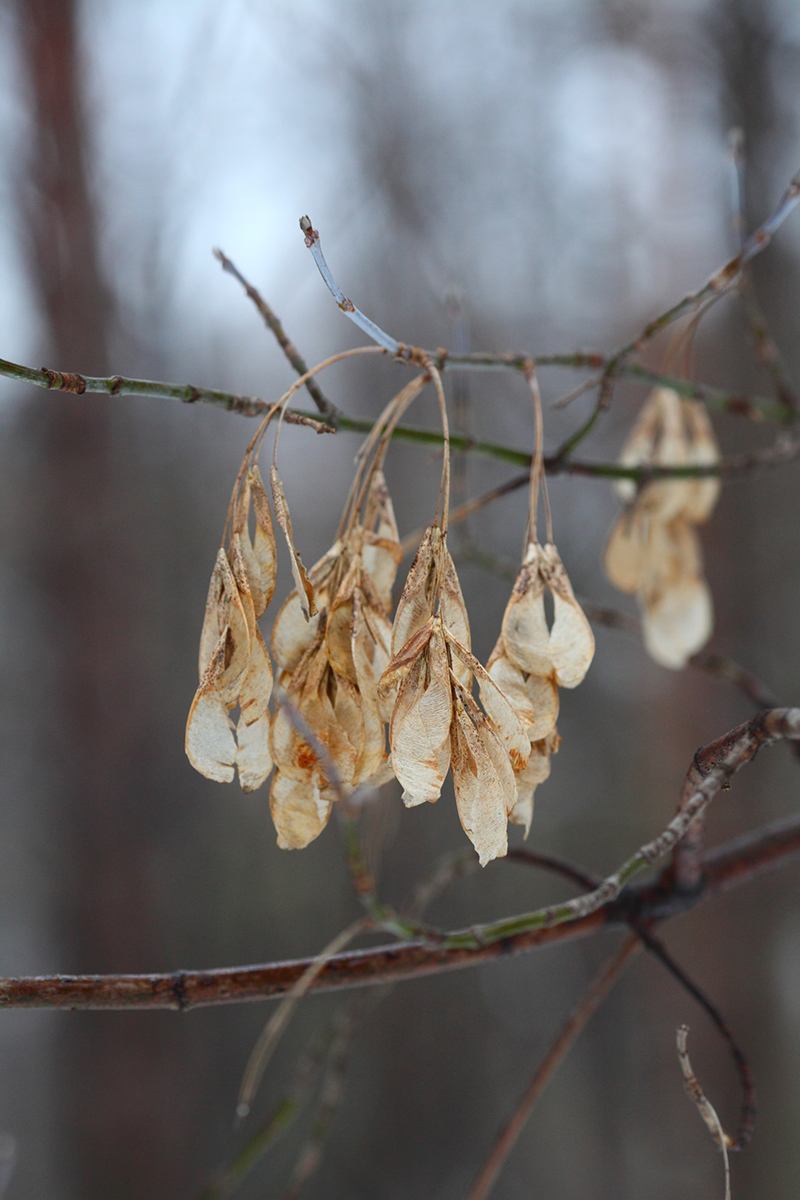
608,906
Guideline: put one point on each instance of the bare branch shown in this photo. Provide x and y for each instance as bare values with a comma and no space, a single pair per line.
704,1107
348,308
597,991
763,850
657,948
273,323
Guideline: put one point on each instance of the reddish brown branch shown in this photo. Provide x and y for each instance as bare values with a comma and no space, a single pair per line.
608,905
728,866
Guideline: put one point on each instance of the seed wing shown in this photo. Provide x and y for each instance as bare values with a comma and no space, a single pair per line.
484,790
415,605
253,757
305,589
420,726
210,744
571,638
678,621
300,809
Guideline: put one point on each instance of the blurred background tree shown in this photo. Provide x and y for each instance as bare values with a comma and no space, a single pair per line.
525,175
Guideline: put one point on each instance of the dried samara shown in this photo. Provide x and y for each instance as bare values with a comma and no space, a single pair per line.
531,661
328,665
234,663
654,551
436,724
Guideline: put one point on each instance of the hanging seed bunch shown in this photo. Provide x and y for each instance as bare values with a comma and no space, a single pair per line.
654,551
328,663
234,663
532,660
436,723
344,669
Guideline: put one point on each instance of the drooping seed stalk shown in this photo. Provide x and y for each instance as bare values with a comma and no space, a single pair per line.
538,475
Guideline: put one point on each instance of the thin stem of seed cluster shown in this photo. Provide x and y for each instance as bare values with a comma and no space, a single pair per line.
443,503
538,473
380,436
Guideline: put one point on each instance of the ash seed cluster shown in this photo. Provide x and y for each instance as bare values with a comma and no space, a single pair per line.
654,552
346,670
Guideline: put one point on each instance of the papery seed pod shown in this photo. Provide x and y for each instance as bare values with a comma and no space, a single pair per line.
500,711
419,732
677,623
677,613
534,698
305,589
382,553
625,558
564,651
300,809
671,431
260,557
234,664
329,667
293,632
483,778
417,602
210,744
536,771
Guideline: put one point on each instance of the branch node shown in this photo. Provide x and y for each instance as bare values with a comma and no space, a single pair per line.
62,381
178,983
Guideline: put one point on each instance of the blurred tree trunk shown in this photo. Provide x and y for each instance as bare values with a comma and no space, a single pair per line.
120,1138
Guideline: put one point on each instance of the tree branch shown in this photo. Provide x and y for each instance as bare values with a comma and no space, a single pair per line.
597,991
273,323
729,866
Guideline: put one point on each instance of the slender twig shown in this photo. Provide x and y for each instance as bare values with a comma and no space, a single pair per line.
732,865
719,283
273,1030
552,862
657,948
576,392
703,1105
348,308
273,323
254,406
597,991
763,850
767,351
280,1119
784,450
412,540
748,1110
333,1041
